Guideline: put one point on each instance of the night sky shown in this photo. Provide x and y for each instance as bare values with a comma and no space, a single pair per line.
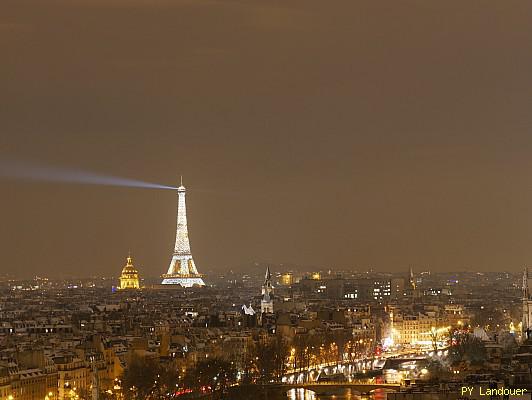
337,134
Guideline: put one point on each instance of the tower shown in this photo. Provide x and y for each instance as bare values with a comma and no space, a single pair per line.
266,304
527,305
129,279
411,279
412,289
182,270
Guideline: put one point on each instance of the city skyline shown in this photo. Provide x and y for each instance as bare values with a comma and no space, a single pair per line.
334,137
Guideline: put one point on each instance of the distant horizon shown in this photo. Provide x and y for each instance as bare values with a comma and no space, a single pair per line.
259,272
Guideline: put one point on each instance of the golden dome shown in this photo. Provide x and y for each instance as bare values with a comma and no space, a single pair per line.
129,268
130,276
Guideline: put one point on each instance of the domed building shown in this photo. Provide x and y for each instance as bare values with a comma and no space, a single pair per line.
130,276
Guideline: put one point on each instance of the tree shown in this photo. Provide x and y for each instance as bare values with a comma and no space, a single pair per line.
248,368
139,377
167,381
214,374
270,358
281,355
265,360
105,396
341,339
84,393
466,348
300,345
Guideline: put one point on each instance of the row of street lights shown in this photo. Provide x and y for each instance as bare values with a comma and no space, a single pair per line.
49,396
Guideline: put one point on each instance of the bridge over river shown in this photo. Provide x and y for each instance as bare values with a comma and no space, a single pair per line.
331,387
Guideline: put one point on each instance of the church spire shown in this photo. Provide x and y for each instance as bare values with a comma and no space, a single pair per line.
267,275
266,304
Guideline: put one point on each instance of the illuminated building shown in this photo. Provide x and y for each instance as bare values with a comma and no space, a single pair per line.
37,360
5,382
381,290
456,315
287,279
414,329
73,376
130,276
182,270
266,304
316,276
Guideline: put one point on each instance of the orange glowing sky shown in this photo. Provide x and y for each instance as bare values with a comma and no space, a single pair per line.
336,134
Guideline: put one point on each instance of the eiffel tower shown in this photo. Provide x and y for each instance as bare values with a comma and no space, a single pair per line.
182,270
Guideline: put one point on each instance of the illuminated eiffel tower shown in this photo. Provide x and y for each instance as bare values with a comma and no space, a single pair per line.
182,270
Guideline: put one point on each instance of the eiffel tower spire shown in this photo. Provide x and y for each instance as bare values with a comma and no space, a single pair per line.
182,244
182,270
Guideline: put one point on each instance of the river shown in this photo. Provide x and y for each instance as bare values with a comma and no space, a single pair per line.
341,394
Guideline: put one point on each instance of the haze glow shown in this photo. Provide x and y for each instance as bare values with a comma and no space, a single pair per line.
22,170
